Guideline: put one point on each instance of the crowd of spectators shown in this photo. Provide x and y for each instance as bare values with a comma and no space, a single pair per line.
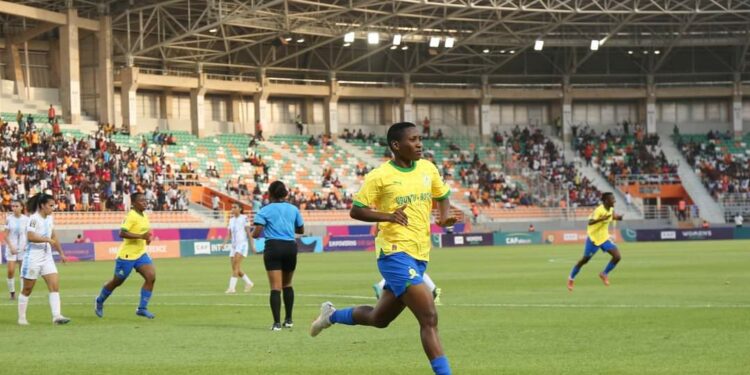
636,158
91,173
721,171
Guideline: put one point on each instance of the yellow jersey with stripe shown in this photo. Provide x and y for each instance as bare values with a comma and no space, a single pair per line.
389,187
599,232
135,223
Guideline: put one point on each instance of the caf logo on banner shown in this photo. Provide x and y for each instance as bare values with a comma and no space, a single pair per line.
202,248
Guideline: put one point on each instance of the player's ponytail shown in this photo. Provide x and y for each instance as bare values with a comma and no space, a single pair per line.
33,204
277,190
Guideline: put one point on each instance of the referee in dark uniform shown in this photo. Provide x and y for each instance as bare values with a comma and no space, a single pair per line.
279,221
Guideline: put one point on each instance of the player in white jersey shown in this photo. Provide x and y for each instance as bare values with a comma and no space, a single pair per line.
38,259
239,232
15,243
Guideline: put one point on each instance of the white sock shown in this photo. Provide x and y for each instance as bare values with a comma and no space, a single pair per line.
247,280
11,285
232,282
428,281
381,284
54,304
23,302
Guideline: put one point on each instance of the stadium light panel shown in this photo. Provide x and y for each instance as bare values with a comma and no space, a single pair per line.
394,47
404,48
373,38
214,30
301,40
434,41
630,52
486,50
347,44
450,42
657,52
349,37
397,39
594,45
538,45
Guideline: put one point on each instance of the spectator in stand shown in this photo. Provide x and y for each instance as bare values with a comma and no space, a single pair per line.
682,210
705,225
439,134
259,131
298,123
738,220
51,114
21,123
30,122
426,127
56,132
532,229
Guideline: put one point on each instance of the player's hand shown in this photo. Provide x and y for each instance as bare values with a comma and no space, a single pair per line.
52,242
146,236
447,222
605,217
13,250
619,217
399,216
63,258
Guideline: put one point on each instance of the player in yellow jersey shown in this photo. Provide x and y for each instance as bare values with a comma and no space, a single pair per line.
598,238
398,195
136,234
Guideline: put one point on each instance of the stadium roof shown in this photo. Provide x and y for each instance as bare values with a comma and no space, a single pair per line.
673,40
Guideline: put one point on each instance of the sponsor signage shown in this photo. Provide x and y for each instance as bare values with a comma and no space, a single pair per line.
157,249
517,238
572,236
76,252
348,243
685,234
467,239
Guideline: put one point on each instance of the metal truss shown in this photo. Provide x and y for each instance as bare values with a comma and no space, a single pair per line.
494,38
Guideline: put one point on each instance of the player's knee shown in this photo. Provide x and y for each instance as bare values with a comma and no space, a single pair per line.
428,318
616,257
381,323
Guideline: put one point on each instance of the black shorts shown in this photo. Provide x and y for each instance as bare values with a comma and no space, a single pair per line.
280,255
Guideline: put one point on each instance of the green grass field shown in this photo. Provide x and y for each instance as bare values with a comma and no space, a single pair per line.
673,308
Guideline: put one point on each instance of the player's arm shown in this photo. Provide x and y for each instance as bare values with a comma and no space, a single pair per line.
57,246
600,219
445,219
369,215
6,241
299,225
257,230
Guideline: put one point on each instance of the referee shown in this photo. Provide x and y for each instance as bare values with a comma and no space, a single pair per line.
279,221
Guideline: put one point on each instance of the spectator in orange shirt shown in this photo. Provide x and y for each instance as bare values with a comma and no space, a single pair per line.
51,114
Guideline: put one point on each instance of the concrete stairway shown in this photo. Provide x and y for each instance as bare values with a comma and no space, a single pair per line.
709,209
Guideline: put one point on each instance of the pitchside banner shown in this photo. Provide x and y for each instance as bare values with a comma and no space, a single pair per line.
684,234
349,243
216,247
76,252
157,249
517,238
572,236
741,233
466,239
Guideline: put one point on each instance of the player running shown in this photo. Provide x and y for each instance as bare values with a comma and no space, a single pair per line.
38,260
15,243
598,238
136,234
239,232
402,190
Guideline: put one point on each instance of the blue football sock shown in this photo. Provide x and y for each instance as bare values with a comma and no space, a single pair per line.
440,366
103,295
574,272
145,297
610,266
343,316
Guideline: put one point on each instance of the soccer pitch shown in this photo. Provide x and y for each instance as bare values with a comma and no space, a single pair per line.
673,308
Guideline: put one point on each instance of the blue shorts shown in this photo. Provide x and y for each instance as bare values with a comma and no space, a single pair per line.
124,267
401,271
591,249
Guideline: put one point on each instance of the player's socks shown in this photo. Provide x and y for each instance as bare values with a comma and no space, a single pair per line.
574,272
440,366
343,316
145,297
103,295
54,304
232,283
610,266
247,280
428,281
11,286
275,301
288,303
23,302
